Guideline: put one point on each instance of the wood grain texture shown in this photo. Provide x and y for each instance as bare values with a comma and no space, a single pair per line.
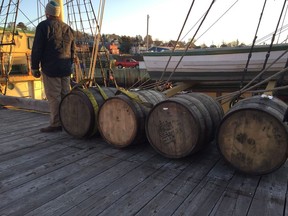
57,174
252,136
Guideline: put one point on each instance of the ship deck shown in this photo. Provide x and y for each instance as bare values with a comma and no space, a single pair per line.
56,174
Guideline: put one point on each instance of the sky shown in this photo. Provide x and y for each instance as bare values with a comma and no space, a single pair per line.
166,18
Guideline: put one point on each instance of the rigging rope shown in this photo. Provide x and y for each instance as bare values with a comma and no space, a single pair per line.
5,22
85,13
259,76
162,75
97,38
273,37
266,58
95,34
267,37
212,23
189,44
1,6
280,30
11,28
243,89
252,46
89,18
177,40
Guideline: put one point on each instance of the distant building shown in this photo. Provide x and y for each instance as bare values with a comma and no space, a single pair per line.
113,49
179,44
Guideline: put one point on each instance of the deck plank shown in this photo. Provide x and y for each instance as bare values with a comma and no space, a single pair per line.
56,174
131,202
84,195
237,198
202,199
270,195
174,194
59,160
49,187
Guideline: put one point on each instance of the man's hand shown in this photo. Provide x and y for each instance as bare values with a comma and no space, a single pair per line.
36,73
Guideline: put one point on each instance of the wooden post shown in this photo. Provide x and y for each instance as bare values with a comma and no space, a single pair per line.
180,86
2,65
271,84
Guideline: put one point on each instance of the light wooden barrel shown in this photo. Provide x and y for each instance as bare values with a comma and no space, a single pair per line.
121,120
183,124
79,109
252,136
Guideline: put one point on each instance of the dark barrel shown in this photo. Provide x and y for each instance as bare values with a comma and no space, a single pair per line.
252,136
79,110
121,119
125,77
183,124
214,109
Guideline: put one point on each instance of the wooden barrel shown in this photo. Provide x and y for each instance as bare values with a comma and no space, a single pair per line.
214,108
182,125
125,77
252,136
121,119
210,108
79,109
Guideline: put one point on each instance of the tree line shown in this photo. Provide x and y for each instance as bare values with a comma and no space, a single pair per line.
126,43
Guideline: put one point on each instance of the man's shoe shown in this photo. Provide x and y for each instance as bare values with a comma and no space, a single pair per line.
51,129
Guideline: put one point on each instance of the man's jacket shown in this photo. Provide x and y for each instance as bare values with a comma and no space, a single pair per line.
53,48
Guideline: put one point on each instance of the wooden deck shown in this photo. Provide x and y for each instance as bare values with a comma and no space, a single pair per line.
55,174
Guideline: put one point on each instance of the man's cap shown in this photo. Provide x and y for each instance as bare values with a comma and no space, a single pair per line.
53,9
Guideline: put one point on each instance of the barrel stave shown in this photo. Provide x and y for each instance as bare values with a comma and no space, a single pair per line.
79,109
121,119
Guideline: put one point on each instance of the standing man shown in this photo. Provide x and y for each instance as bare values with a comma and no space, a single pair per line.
53,52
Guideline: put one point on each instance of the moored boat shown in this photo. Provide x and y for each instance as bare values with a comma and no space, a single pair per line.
15,73
216,64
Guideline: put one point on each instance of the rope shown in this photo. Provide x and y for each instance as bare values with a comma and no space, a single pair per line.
280,30
1,6
268,90
153,85
5,73
102,71
240,92
207,12
177,40
252,46
85,12
140,80
245,88
134,97
216,20
273,37
268,36
103,94
96,42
